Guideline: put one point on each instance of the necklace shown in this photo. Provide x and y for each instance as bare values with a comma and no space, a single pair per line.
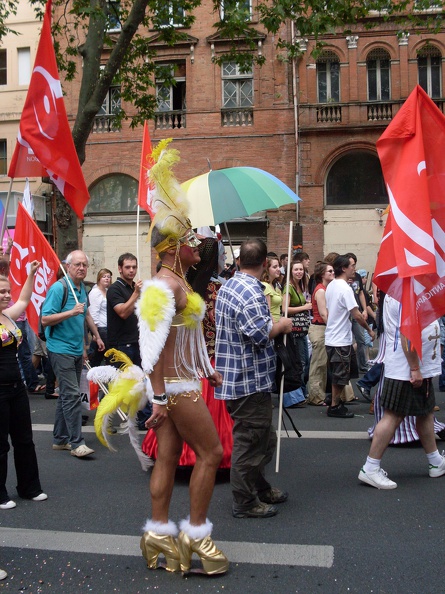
181,276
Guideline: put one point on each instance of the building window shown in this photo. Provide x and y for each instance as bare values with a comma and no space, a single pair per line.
328,77
356,179
113,16
230,7
105,117
429,66
171,15
3,157
237,96
170,96
116,193
237,86
3,69
24,65
378,69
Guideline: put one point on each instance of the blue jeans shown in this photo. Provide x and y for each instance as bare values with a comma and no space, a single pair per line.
371,377
68,420
357,331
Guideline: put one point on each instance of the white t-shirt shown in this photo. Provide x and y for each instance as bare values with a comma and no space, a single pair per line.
340,301
98,307
396,364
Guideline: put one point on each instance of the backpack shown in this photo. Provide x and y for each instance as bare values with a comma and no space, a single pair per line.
41,333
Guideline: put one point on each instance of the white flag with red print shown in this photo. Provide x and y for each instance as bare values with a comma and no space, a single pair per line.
30,244
411,262
45,145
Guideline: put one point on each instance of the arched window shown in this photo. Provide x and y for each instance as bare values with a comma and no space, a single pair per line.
356,179
328,77
429,66
378,69
113,194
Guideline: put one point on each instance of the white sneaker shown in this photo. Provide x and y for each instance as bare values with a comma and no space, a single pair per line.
435,471
3,574
378,479
8,505
41,497
82,451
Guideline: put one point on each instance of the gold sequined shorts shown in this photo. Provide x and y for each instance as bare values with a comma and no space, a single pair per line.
179,387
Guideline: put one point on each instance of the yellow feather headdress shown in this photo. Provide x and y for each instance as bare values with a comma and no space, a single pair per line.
168,201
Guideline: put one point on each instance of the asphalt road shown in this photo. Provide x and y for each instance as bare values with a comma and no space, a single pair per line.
334,535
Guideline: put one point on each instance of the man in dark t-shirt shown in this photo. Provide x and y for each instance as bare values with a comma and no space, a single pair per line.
122,322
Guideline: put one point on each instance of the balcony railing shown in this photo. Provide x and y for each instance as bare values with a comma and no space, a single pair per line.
169,120
379,111
242,116
329,113
104,124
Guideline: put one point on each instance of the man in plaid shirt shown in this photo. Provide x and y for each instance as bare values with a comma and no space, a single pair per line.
245,357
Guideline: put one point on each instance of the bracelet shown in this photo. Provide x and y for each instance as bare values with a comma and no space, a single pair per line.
415,369
160,399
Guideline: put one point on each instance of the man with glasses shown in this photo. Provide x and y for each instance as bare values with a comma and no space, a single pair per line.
65,340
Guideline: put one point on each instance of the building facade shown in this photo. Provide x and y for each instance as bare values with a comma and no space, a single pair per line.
312,122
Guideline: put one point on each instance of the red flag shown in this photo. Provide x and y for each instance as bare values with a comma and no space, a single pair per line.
411,262
30,244
45,145
145,186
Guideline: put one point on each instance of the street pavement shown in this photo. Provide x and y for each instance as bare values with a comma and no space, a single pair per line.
334,535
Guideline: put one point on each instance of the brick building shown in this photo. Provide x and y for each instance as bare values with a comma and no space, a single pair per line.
313,123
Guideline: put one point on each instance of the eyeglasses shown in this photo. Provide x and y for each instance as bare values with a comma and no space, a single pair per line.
79,265
330,270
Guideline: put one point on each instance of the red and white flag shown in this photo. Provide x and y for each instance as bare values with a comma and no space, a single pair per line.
411,261
30,244
145,185
45,145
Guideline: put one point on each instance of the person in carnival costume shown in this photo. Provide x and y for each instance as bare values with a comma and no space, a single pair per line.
174,358
203,277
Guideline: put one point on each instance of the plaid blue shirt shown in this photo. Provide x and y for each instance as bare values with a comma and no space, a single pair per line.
245,355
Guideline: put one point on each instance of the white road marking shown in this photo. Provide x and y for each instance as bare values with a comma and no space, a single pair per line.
290,434
101,544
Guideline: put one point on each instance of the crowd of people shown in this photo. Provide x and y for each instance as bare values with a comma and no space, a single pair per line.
210,401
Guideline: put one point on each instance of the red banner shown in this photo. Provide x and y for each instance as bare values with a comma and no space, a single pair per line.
30,244
145,186
45,145
411,262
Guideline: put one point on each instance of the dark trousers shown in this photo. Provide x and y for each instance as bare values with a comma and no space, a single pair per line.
254,443
25,358
15,421
95,356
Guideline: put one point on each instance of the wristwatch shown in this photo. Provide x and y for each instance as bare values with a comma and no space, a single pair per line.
161,399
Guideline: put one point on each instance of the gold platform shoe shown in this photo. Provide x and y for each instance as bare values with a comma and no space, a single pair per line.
153,545
213,560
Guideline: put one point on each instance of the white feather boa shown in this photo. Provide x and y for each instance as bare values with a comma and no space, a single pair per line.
155,310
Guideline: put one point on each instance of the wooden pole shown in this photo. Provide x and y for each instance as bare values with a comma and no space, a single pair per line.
286,307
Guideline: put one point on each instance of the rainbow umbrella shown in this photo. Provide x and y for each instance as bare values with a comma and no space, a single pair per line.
226,194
